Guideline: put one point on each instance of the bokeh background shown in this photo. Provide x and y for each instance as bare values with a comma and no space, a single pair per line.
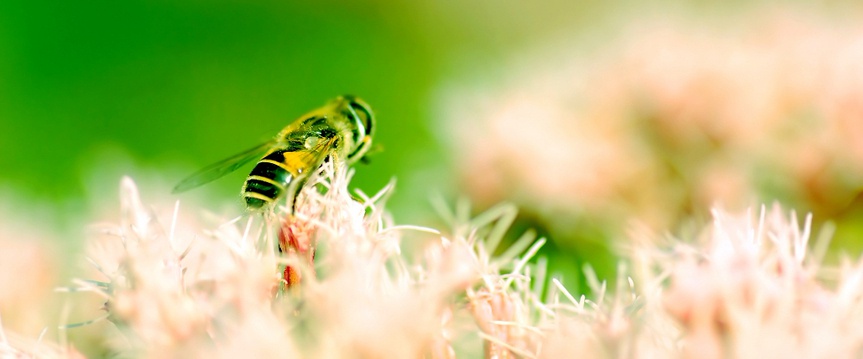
594,117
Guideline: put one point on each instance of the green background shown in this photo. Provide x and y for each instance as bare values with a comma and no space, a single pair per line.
175,86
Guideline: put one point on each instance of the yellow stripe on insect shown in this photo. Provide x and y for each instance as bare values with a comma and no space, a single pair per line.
268,180
258,196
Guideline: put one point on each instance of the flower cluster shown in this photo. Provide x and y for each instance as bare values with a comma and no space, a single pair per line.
668,119
748,286
176,291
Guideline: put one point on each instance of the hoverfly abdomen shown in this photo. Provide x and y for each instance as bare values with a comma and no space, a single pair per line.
270,178
259,193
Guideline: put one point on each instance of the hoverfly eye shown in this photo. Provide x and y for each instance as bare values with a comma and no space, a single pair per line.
364,126
365,120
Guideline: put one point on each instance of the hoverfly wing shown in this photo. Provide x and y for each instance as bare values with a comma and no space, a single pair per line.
221,168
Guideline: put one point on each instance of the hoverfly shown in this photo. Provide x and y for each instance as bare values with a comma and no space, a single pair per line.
341,130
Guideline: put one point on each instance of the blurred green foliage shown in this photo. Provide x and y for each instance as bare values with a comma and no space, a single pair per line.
192,83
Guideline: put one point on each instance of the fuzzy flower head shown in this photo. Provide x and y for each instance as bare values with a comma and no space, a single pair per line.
753,286
667,119
15,346
175,289
750,286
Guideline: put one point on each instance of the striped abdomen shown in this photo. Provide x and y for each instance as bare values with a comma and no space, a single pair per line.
270,179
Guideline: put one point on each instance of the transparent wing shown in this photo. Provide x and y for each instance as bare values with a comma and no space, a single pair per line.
221,168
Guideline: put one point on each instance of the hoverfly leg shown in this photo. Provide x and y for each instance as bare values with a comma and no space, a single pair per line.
296,242
296,238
